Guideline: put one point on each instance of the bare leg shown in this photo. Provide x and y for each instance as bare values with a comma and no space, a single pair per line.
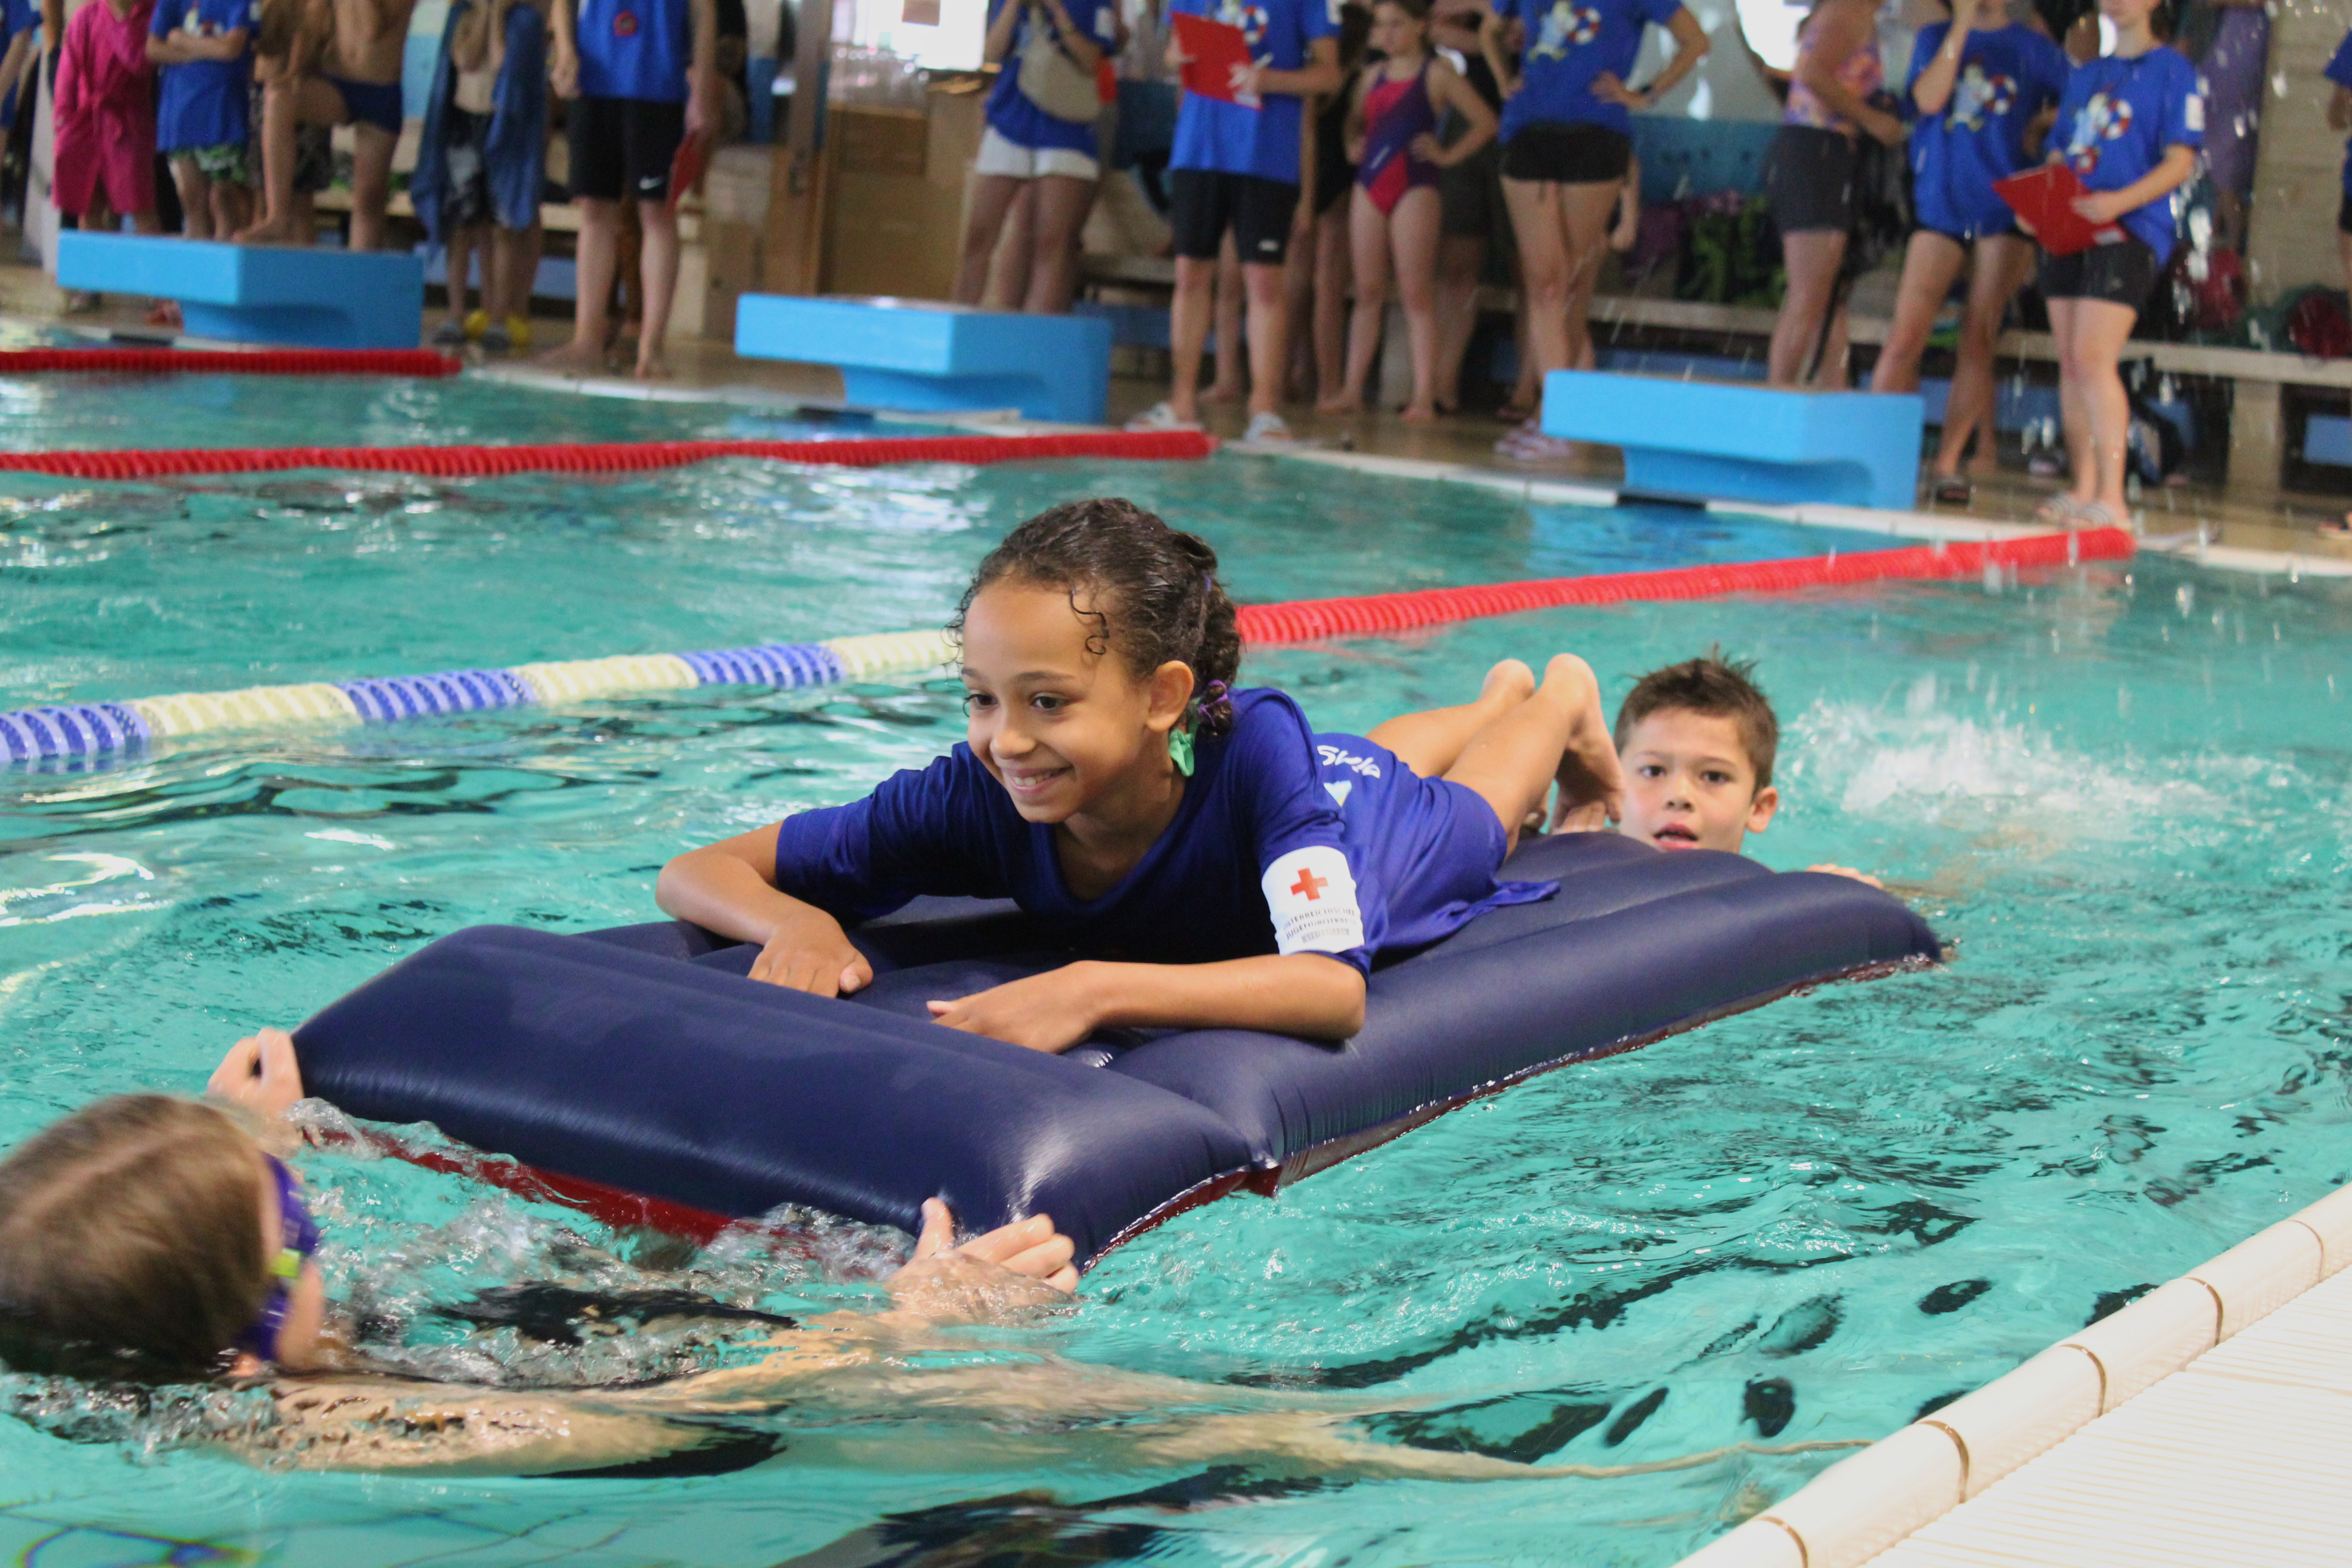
1544,267
1188,332
1461,259
1430,742
195,198
1061,204
1813,256
286,105
371,185
2074,412
145,221
1332,273
232,208
660,271
1298,299
599,251
2099,329
991,198
1368,251
2001,268
1231,385
1412,237
1557,734
1830,374
1930,262
1270,334
1015,259
461,249
1585,210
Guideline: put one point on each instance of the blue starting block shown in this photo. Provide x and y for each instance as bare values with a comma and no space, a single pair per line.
922,355
1722,441
310,298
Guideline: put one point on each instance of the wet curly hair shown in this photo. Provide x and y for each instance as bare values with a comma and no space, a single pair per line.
1151,593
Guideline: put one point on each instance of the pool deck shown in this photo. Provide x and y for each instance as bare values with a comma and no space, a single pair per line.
2204,522
2208,1423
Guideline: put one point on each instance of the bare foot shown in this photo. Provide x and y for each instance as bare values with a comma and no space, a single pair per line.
1218,391
1339,403
654,368
1418,414
1507,685
1589,774
272,231
576,357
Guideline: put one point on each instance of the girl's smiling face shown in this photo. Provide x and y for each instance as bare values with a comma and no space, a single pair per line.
1396,32
1053,711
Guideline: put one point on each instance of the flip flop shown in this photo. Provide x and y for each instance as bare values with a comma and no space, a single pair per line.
1952,489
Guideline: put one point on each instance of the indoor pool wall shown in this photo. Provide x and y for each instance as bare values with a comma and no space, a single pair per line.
2120,791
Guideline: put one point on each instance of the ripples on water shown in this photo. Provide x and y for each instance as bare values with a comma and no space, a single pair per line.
2121,793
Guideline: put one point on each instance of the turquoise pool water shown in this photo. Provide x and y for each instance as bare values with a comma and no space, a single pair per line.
2121,792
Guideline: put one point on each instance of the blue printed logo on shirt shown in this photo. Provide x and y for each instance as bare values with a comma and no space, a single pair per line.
2103,119
1252,20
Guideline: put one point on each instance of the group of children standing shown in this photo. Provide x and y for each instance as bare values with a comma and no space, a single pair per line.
241,97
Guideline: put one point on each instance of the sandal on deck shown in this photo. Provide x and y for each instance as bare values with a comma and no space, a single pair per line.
1952,489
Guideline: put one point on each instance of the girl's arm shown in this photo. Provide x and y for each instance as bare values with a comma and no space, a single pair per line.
1690,46
1933,86
2340,109
1352,132
1081,49
563,57
2106,206
1490,44
1451,89
730,888
1304,993
1000,31
1319,75
1845,29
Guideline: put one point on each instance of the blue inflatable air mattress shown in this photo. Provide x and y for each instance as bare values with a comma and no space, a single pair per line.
641,1058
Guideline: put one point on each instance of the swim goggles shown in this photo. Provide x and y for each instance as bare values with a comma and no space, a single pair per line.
299,1239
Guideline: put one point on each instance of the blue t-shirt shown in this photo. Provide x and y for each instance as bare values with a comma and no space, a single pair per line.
1227,138
2006,77
1010,111
2116,121
204,103
2339,71
1285,841
635,49
1569,42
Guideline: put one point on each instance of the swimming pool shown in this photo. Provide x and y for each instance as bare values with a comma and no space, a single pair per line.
2121,792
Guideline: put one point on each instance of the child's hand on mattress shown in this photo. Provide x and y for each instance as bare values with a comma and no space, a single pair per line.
1013,1269
1848,871
260,1074
810,951
1048,1012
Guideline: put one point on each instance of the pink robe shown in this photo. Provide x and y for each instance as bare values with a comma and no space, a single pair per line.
106,110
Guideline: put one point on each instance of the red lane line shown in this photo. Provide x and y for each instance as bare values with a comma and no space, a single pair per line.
216,362
1307,619
459,462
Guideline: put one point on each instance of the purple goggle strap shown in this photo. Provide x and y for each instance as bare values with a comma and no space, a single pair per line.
298,1240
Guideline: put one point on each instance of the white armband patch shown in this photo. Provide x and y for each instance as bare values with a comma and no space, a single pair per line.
2193,112
1311,894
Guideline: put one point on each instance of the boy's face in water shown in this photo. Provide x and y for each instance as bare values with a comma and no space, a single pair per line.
1689,783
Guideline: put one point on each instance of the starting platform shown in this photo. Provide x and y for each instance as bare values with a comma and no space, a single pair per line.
925,356
298,296
1706,440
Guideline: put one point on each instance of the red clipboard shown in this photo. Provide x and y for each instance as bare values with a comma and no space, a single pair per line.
1215,47
2045,199
686,166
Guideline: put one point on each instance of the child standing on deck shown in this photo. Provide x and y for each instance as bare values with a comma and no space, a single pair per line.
202,52
1231,868
1392,141
2130,125
640,73
342,69
480,162
106,117
1236,168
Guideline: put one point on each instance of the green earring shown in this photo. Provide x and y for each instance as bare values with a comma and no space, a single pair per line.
1179,752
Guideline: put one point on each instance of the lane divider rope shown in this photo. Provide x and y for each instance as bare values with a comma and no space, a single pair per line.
91,730
230,361
608,457
1308,619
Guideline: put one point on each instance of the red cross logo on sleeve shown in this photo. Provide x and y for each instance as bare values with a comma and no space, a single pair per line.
1310,885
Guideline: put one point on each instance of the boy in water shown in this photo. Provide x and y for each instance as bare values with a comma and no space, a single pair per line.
1698,739
342,69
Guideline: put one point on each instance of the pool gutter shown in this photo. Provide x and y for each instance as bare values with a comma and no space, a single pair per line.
2033,1423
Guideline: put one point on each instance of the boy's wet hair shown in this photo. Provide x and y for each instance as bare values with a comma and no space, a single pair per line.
1152,593
130,1243
1718,687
